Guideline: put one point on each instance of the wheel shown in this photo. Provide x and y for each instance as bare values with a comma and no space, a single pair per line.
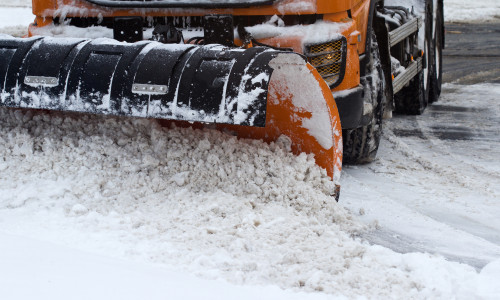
428,55
413,99
436,75
361,144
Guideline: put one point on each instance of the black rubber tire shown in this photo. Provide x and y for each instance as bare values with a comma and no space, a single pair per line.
437,74
428,53
361,144
413,99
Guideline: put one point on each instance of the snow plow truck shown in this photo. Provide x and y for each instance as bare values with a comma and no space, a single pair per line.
323,73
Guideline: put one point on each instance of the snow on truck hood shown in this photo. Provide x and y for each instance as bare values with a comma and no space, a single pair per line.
319,32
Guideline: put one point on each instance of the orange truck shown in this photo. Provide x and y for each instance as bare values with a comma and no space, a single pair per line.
321,74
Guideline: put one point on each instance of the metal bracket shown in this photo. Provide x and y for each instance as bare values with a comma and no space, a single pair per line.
411,71
219,29
151,89
127,29
407,29
41,81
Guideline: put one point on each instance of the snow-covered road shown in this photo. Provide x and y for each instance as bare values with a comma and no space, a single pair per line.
103,207
436,184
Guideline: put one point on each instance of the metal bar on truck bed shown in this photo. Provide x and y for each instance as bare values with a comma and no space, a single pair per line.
400,33
411,71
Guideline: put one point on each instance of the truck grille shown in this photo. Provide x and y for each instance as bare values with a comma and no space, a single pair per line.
329,59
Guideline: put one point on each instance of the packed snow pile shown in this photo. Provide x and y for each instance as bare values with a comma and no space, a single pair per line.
148,159
201,200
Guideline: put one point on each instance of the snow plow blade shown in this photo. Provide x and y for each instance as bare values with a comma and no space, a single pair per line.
256,93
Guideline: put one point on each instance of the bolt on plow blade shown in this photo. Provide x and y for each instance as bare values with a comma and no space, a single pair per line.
256,93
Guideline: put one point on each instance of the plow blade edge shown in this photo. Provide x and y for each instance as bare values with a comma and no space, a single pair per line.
146,79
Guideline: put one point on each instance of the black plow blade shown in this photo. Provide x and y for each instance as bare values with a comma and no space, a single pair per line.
146,79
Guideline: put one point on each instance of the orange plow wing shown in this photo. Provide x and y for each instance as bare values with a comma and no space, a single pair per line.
300,105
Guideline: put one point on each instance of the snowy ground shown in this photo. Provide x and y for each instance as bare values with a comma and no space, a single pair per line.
15,18
99,208
436,184
472,11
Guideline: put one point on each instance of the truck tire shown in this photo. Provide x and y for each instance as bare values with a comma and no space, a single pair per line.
437,74
361,144
413,99
428,53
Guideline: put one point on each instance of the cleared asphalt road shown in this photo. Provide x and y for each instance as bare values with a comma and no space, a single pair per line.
472,53
471,56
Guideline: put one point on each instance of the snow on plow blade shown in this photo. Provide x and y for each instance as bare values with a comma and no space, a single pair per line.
270,92
147,79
